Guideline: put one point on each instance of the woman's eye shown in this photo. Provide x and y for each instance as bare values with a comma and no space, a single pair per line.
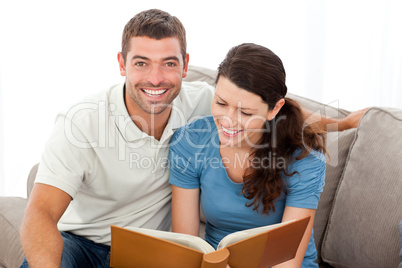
219,103
246,114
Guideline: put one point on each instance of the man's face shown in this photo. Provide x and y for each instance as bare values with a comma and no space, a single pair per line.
154,70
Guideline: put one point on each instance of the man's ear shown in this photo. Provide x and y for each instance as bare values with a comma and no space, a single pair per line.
277,108
186,65
122,67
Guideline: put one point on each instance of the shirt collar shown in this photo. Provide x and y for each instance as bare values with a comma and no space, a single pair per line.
125,124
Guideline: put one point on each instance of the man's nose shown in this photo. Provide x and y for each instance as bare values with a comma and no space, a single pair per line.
155,76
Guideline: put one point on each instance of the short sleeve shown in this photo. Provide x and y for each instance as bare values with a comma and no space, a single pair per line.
66,160
306,185
182,164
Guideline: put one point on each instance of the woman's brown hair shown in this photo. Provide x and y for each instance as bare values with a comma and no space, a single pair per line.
258,70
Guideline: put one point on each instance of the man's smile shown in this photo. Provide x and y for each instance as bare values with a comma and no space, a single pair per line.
154,92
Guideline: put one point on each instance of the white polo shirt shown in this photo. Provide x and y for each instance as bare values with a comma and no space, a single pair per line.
115,173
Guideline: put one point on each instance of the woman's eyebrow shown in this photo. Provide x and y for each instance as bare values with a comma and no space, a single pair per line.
241,108
219,97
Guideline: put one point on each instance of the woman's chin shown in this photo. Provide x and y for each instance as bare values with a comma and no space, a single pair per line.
226,141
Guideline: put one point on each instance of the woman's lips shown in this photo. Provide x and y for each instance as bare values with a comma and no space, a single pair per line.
230,133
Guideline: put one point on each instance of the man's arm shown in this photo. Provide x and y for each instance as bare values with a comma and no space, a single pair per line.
41,240
333,124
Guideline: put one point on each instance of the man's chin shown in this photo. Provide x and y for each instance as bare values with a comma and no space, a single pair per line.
158,109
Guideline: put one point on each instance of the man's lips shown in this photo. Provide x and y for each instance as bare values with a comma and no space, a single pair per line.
154,92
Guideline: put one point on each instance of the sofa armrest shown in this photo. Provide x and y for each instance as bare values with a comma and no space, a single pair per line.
11,215
31,179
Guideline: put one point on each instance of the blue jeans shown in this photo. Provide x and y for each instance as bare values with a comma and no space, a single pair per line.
81,252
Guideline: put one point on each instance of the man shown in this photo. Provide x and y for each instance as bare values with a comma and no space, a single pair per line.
106,161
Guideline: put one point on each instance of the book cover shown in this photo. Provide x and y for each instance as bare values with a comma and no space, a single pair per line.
253,248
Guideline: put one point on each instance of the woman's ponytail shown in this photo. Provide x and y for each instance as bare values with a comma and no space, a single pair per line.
285,134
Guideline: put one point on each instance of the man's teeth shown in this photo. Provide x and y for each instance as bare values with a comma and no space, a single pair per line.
230,132
154,92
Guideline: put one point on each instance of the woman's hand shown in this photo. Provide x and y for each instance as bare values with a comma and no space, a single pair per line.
292,213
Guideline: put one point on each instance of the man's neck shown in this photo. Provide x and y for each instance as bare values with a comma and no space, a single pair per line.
151,124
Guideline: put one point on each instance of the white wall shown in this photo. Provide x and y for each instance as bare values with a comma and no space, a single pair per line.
53,53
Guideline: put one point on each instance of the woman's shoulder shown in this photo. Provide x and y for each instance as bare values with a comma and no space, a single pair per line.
313,160
197,132
205,122
306,180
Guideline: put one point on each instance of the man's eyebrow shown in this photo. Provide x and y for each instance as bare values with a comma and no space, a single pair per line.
139,57
164,59
171,58
240,107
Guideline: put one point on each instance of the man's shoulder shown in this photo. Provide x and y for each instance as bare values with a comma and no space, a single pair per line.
196,85
196,88
194,101
90,105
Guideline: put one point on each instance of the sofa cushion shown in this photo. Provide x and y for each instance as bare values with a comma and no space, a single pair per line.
400,243
338,145
11,214
362,228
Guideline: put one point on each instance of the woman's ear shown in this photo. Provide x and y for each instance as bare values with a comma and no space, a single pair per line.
271,114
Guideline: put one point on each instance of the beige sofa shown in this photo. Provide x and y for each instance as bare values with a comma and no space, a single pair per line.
357,219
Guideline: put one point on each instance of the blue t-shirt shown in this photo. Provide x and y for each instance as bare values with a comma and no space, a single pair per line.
195,162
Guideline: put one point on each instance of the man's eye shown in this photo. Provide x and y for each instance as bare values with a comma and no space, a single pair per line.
140,64
171,64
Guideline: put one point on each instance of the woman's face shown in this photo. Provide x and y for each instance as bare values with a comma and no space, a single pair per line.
239,115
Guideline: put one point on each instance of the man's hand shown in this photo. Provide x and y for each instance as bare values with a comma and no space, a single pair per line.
351,120
332,124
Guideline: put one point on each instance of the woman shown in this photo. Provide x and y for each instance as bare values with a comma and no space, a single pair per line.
253,163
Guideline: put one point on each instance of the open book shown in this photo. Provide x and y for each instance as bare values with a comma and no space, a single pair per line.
253,248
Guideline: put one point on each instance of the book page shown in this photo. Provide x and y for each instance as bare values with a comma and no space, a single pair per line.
186,240
240,235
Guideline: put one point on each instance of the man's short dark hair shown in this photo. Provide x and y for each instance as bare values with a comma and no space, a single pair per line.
156,24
